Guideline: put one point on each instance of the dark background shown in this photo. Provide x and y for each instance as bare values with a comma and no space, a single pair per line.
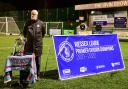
40,4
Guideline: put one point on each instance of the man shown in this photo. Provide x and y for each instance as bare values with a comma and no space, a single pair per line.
33,32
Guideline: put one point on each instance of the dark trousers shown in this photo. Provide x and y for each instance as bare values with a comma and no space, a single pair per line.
25,73
38,62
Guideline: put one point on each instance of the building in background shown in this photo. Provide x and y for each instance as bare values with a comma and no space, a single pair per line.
110,15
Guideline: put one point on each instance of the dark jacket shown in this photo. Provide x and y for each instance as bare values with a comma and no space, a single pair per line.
34,31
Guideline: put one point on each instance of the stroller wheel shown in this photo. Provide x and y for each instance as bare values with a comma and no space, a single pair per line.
7,84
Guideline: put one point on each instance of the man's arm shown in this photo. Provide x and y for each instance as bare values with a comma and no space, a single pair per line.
25,30
43,30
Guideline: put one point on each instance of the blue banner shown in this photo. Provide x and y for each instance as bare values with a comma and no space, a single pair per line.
102,23
120,22
84,55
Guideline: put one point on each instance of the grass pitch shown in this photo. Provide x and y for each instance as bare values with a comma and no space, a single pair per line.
110,80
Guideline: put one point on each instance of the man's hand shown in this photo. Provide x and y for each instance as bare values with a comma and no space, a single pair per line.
25,39
33,54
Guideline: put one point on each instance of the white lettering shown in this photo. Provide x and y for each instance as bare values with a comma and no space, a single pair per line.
86,43
102,5
94,49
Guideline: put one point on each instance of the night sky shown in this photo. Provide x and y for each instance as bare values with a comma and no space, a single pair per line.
39,4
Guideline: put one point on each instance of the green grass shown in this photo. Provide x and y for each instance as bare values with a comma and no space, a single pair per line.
110,80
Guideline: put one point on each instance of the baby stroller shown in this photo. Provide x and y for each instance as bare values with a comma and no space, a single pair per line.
18,50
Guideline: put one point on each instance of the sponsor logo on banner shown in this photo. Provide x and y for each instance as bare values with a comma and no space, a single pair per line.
66,51
66,71
115,64
100,66
83,69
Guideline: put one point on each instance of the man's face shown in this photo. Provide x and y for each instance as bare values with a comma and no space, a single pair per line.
34,15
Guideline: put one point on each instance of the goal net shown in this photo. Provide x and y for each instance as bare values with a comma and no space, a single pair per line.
9,26
53,28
